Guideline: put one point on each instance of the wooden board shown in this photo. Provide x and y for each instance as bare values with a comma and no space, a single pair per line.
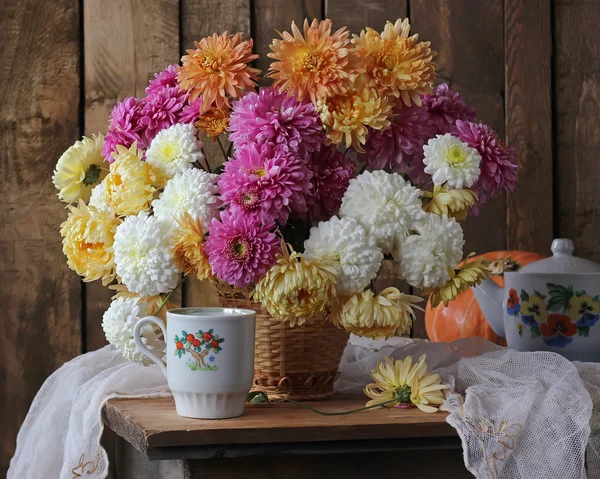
577,100
40,325
153,423
126,42
358,14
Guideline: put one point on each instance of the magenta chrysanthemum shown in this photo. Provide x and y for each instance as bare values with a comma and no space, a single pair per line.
282,178
400,146
332,172
166,78
498,161
161,110
274,118
240,250
445,107
124,126
191,111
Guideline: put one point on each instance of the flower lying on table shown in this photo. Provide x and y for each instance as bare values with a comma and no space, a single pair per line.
402,383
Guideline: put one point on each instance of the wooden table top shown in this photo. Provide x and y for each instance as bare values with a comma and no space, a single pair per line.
153,423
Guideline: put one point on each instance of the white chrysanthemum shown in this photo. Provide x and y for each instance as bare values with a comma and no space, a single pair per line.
174,150
143,255
385,205
97,199
426,257
345,245
118,323
193,192
450,160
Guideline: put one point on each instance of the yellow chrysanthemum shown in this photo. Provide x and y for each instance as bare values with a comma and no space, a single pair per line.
218,69
317,65
401,383
188,251
348,116
295,290
79,169
461,279
450,202
130,182
377,316
88,237
153,302
400,65
213,122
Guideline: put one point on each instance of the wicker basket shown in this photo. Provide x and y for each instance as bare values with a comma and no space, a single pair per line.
299,363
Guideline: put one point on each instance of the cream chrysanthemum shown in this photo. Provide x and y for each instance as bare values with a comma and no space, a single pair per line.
188,250
129,186
347,117
88,237
193,192
377,316
118,323
79,169
451,161
345,246
296,290
154,304
428,257
97,199
385,205
173,151
143,255
402,383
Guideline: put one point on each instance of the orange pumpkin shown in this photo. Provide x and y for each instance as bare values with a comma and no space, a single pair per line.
462,318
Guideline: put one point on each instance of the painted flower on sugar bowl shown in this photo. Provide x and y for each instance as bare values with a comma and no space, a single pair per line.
451,161
79,169
191,191
345,245
118,323
427,257
143,257
385,205
296,290
533,310
174,151
584,310
377,316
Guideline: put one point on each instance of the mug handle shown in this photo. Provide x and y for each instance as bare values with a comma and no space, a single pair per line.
142,347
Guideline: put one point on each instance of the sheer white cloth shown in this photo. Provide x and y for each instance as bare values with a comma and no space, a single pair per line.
519,415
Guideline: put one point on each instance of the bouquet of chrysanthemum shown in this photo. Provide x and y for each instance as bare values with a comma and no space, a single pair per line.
351,156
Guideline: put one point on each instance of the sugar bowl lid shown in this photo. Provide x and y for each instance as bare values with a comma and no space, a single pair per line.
562,261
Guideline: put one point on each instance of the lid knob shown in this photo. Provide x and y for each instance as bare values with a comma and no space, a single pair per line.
562,247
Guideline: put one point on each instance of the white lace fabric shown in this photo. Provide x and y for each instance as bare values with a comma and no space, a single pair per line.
519,415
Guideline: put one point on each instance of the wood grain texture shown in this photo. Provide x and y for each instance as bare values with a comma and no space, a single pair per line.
528,46
358,14
125,43
153,423
577,102
39,119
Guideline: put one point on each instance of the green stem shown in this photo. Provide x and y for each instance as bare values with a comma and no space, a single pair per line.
222,148
168,297
341,413
207,169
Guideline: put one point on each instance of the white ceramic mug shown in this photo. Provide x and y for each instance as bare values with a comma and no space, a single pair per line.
210,359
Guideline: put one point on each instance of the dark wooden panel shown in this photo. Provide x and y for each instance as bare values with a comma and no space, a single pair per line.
126,42
528,45
358,14
39,119
577,100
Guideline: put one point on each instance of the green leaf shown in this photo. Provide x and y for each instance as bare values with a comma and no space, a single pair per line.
583,331
537,293
535,332
176,338
579,294
184,334
557,304
199,333
521,332
596,298
524,295
221,340
257,397
210,330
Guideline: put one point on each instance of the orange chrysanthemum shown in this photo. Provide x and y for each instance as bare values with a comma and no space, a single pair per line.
213,122
400,65
188,251
218,69
318,64
347,117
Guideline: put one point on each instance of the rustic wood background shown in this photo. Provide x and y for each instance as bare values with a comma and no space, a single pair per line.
530,67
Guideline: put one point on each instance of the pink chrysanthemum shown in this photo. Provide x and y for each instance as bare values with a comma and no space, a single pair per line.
400,146
124,126
498,161
271,117
332,172
161,110
166,78
240,250
445,107
282,177
191,111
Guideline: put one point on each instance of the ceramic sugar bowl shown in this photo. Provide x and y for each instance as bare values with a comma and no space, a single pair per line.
550,305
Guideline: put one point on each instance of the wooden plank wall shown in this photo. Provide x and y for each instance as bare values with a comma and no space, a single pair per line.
530,67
